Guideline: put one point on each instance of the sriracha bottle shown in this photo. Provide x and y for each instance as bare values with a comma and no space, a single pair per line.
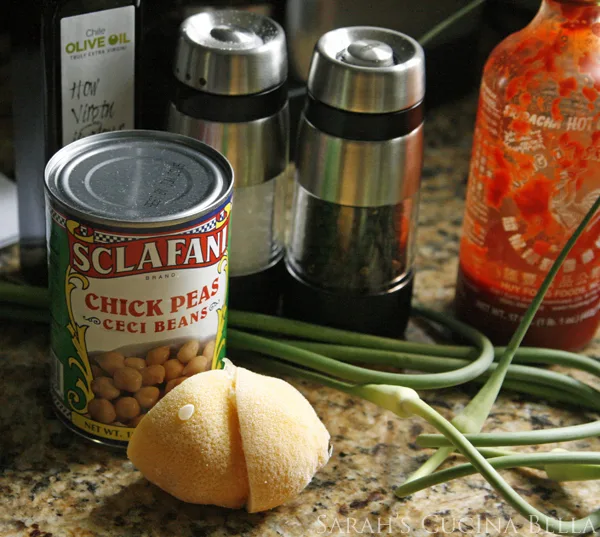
535,172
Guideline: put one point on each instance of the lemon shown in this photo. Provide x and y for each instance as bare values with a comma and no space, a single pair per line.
284,441
189,444
231,438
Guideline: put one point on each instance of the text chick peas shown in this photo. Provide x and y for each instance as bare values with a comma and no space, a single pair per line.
126,387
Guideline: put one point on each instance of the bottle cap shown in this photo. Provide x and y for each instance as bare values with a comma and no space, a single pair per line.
231,53
367,70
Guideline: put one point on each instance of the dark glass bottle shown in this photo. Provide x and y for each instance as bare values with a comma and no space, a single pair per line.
75,72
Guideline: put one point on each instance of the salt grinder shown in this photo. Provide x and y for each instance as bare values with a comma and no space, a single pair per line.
360,149
230,92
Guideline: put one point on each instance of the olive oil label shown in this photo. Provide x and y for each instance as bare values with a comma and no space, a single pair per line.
97,72
134,314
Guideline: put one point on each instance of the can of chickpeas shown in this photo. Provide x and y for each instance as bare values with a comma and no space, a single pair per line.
138,243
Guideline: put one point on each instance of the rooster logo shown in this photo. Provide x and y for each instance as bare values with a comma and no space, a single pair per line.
567,210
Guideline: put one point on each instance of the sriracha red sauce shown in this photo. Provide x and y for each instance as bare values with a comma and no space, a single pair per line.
535,172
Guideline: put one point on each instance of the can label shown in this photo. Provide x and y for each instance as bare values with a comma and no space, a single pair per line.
134,313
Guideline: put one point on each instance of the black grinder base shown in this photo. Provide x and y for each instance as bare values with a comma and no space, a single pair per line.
385,314
259,292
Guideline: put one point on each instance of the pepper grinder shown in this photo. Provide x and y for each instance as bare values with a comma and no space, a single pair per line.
230,92
350,253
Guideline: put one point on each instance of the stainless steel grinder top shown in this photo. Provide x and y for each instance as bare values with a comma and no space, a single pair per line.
367,70
360,141
231,53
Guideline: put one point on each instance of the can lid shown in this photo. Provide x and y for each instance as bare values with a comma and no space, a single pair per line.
231,53
138,178
367,70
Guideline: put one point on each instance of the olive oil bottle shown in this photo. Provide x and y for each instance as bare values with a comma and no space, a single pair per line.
76,72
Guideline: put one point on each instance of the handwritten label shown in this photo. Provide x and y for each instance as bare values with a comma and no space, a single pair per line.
97,72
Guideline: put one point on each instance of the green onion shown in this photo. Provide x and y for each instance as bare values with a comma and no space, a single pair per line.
466,372
14,312
288,327
473,416
24,295
572,472
584,393
583,525
449,21
547,460
404,401
522,438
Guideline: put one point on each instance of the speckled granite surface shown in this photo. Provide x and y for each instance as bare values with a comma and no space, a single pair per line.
52,482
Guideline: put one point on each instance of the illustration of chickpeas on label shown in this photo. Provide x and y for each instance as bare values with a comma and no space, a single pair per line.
127,387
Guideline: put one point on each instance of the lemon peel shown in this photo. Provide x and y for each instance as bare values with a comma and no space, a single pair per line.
231,438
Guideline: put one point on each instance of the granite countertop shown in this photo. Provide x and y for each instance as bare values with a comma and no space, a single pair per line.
54,483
